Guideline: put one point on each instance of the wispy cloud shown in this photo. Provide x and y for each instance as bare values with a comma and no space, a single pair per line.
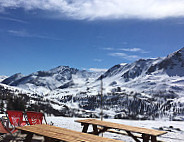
13,20
103,9
97,70
23,33
125,56
180,22
131,49
19,33
138,50
97,60
134,50
108,48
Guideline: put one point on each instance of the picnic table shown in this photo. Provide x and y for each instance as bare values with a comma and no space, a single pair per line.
146,134
53,133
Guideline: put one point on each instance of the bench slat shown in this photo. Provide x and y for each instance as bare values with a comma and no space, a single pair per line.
64,134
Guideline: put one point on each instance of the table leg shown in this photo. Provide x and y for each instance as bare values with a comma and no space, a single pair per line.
95,130
47,139
134,137
28,137
85,128
153,139
145,137
103,130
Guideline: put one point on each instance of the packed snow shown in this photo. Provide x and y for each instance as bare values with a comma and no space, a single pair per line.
174,129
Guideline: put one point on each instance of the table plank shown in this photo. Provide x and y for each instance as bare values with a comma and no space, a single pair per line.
64,134
139,130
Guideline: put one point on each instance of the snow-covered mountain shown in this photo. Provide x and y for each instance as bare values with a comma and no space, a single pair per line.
3,78
58,78
172,65
150,75
147,88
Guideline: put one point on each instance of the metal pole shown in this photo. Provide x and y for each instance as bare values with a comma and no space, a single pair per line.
101,98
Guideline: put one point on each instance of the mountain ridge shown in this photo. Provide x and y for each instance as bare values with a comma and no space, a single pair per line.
155,86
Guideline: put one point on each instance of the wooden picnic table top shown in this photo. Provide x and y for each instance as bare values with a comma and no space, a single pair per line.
111,125
63,134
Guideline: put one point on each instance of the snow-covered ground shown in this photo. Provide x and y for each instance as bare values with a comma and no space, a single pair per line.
175,129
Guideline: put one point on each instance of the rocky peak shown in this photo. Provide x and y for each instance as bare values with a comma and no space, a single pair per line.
12,78
170,64
63,69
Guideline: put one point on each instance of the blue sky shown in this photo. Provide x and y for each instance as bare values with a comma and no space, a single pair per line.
86,34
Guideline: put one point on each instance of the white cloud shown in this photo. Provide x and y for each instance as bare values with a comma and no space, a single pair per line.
125,56
103,9
19,33
134,50
126,49
108,48
131,49
97,70
13,19
23,33
98,60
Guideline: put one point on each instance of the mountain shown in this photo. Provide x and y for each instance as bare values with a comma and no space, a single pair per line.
144,89
172,65
3,78
45,81
12,79
150,75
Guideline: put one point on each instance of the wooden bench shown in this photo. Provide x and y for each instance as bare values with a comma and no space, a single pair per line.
52,134
124,133
146,134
